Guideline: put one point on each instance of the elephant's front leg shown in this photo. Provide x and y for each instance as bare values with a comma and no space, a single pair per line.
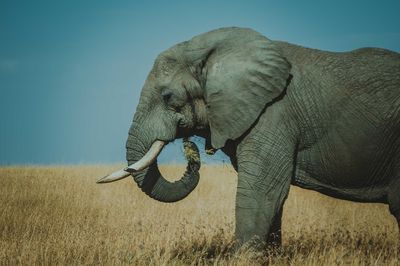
264,175
275,232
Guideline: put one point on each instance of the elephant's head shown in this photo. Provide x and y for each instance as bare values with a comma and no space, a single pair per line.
218,82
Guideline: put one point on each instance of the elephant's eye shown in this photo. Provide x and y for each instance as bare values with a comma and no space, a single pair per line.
172,101
166,95
177,109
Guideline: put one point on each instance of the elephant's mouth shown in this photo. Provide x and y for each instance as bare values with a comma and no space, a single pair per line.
147,175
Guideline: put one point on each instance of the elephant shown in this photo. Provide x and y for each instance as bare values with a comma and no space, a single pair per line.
284,114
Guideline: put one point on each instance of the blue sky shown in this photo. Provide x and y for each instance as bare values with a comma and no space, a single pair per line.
71,71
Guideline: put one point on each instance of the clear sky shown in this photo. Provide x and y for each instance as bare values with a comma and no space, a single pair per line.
71,71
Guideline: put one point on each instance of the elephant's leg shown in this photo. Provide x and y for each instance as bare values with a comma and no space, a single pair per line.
264,175
275,233
230,150
394,199
259,200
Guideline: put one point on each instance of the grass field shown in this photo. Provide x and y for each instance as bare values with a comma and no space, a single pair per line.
58,215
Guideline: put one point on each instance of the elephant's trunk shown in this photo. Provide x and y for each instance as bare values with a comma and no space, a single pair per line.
151,181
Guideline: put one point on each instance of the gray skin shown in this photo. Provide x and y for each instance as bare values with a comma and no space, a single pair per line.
284,114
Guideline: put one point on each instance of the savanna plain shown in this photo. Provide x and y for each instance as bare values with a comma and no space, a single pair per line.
59,215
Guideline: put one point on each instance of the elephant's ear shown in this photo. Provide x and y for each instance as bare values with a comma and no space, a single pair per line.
243,75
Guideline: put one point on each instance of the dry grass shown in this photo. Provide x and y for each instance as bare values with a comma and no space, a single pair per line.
58,215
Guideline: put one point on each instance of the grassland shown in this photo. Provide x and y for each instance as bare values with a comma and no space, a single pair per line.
58,215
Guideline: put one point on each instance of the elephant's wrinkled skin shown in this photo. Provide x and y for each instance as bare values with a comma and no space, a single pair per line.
283,113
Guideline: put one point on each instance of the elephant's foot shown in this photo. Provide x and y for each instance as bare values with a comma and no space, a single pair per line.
274,239
255,234
254,244
394,200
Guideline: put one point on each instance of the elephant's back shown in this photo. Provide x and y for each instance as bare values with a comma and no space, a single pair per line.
377,53
367,79
372,77
349,105
369,66
368,61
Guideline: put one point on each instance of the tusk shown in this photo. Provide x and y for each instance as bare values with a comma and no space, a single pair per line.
143,163
113,177
148,158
